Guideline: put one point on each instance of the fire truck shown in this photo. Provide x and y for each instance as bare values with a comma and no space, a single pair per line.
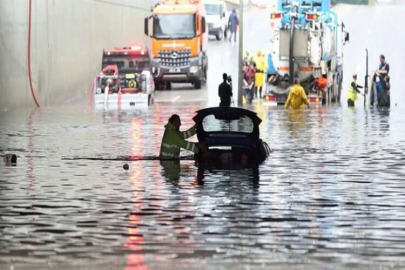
178,30
126,78
307,44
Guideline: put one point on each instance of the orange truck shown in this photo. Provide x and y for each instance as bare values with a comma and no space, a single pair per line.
178,30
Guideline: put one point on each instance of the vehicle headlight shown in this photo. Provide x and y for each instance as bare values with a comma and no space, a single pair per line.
194,69
98,90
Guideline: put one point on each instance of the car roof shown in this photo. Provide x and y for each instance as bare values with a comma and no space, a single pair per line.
226,113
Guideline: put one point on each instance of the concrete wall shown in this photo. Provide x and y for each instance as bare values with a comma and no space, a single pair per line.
68,37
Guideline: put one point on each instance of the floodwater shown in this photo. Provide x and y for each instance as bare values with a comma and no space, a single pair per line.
330,196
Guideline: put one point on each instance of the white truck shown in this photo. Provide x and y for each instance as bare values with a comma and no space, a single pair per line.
217,17
307,44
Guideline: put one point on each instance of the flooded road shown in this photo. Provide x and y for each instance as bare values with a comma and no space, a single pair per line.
331,195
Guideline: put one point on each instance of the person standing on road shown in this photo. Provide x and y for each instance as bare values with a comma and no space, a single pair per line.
174,139
248,82
387,83
381,73
233,24
385,99
321,83
225,92
297,96
353,90
259,76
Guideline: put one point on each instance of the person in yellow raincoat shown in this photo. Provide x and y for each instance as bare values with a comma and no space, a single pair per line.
353,90
260,71
174,139
297,97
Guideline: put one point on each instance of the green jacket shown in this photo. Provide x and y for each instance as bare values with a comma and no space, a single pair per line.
173,140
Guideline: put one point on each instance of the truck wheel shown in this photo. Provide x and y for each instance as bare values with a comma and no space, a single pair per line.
197,84
220,35
325,97
205,70
333,96
150,99
339,89
205,74
158,85
329,100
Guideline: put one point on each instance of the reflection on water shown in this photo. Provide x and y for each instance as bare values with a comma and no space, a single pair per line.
332,191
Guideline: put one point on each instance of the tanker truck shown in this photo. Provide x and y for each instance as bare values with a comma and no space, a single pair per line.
307,44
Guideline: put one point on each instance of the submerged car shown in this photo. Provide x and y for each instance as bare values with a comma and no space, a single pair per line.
231,135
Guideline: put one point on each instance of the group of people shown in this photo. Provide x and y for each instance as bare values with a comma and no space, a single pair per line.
254,70
381,79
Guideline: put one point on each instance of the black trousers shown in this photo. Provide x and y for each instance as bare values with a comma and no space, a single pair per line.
225,104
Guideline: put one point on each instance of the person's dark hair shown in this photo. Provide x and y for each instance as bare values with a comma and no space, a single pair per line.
297,81
354,76
173,117
224,76
382,56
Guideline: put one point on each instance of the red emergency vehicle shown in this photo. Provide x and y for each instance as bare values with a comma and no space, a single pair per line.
126,78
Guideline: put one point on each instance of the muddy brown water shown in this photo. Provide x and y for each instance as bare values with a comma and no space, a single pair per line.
330,196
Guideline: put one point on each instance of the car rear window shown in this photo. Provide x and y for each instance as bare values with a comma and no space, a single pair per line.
243,124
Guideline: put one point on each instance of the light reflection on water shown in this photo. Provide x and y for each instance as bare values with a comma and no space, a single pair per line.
332,191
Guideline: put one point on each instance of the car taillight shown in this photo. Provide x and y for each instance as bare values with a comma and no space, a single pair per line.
270,98
312,17
276,16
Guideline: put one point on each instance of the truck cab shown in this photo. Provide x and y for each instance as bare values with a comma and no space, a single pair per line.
217,18
179,42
